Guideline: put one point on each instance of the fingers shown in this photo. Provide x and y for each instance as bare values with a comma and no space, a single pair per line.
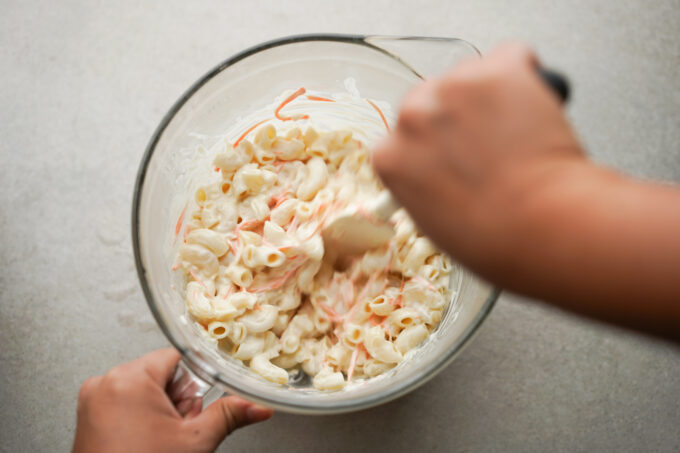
190,407
229,413
394,160
159,364
86,390
513,52
385,160
400,162
421,111
419,117
89,385
420,104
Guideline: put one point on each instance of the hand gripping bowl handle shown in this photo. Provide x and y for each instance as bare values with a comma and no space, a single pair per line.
186,388
426,57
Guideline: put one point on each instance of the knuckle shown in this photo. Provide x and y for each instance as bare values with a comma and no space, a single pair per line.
467,85
86,388
117,382
120,387
514,51
385,159
517,48
86,392
382,166
229,419
410,115
418,106
465,66
457,84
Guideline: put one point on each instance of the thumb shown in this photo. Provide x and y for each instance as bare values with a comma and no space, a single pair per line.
227,414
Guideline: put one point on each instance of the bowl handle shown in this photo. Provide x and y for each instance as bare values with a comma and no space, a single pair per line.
429,56
426,56
186,387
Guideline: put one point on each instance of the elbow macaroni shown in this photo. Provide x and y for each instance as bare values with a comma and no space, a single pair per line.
259,283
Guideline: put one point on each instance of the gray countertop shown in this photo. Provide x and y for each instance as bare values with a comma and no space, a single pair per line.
83,85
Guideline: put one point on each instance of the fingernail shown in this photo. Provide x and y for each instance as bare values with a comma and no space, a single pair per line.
257,413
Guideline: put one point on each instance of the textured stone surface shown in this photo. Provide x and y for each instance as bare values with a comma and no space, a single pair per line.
84,84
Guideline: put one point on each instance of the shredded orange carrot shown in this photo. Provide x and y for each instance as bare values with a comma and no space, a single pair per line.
217,168
376,320
360,296
382,117
233,248
384,285
279,282
356,273
389,263
292,226
175,267
425,282
397,300
329,311
280,201
250,129
367,215
353,362
186,232
299,92
195,277
249,224
180,219
279,198
318,98
325,215
347,293
318,209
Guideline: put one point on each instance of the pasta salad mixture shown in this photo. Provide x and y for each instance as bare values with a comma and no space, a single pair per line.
258,280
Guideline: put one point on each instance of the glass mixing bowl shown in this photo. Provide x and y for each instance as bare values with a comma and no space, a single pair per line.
384,69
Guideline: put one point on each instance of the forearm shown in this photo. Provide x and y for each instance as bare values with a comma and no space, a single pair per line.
603,245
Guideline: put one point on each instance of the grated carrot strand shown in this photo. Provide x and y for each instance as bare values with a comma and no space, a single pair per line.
180,220
319,98
248,131
353,362
382,117
299,92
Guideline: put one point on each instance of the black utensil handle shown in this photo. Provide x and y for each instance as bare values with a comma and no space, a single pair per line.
557,82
